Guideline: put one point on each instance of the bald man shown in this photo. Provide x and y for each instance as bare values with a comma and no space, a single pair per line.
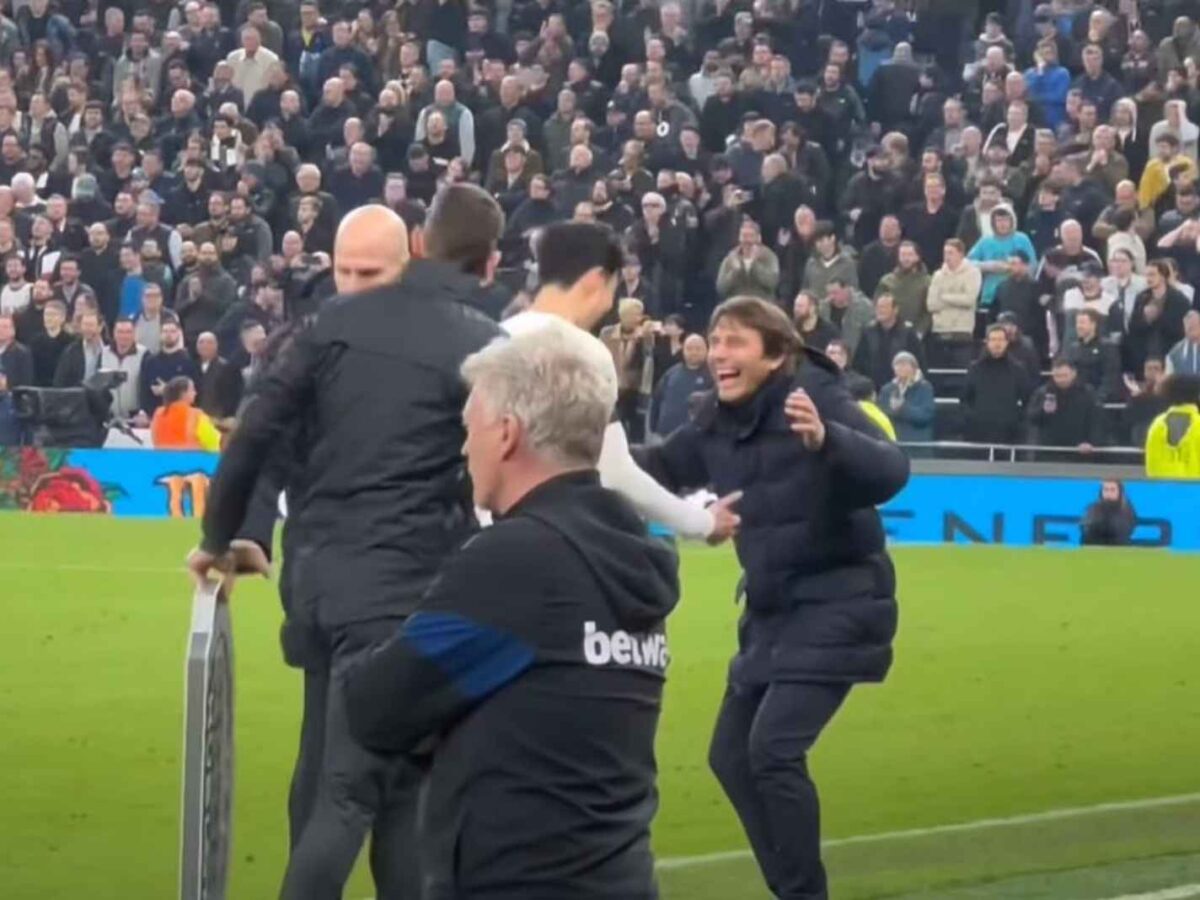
371,395
370,250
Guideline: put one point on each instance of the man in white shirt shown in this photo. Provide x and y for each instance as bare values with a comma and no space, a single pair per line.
252,64
579,264
16,293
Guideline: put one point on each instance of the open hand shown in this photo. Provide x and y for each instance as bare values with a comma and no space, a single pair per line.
806,421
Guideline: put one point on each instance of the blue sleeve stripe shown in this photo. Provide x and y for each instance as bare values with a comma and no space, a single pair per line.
477,659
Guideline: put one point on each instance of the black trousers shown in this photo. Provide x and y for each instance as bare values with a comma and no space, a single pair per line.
340,790
759,754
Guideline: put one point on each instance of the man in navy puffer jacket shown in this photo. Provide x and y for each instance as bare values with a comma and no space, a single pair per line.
820,589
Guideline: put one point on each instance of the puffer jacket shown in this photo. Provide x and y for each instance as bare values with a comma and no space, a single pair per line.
820,588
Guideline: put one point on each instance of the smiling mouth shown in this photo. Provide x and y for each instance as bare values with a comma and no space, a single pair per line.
726,377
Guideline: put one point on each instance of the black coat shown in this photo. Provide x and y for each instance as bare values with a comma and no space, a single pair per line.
878,347
1108,523
542,784
820,588
1066,417
992,399
16,365
385,496
220,389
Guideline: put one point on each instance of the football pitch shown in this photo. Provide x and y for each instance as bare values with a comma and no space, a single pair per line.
1039,736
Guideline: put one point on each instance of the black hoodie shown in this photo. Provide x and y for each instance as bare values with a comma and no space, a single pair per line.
537,659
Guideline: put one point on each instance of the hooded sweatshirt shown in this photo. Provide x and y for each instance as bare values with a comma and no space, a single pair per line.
537,659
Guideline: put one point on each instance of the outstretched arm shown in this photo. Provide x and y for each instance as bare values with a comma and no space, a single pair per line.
619,472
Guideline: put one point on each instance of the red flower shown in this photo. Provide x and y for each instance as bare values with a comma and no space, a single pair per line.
68,490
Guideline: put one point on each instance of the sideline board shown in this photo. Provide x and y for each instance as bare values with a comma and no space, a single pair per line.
207,749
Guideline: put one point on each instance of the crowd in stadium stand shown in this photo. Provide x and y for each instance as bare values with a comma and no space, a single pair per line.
986,211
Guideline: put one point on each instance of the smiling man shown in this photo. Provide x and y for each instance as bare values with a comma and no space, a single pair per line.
820,611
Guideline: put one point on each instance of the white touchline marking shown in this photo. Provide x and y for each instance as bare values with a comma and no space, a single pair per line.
1176,893
1071,812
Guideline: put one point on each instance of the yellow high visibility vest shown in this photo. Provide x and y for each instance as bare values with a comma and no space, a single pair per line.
1173,444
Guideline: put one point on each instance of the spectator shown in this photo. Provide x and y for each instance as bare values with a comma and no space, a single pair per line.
158,369
1087,294
49,344
848,311
909,283
252,64
952,302
220,388
1020,348
1122,287
887,336
1066,412
673,396
857,385
81,360
930,222
1156,323
1156,179
124,355
1184,357
1146,401
908,401
880,256
178,425
17,292
631,343
750,269
830,262
1108,522
816,332
459,120
994,393
993,253
1096,361
16,361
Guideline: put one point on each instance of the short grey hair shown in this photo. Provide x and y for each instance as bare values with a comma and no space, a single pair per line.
558,381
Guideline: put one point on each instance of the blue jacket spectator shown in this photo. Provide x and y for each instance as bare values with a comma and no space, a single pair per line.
672,399
992,253
1048,84
908,401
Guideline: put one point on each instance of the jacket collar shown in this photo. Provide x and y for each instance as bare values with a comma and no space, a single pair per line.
744,419
550,490
435,275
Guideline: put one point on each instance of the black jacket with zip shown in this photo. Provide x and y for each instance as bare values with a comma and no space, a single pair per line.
375,381
536,662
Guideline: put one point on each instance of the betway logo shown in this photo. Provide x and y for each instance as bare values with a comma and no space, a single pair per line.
601,648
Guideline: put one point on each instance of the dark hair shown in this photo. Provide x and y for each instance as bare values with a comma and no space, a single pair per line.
1162,267
1091,314
566,251
463,227
1122,219
824,229
779,337
175,389
1179,389
1063,362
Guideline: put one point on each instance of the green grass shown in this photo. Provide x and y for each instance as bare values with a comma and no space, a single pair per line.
1025,681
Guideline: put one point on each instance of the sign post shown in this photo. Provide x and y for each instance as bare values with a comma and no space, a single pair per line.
207,749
